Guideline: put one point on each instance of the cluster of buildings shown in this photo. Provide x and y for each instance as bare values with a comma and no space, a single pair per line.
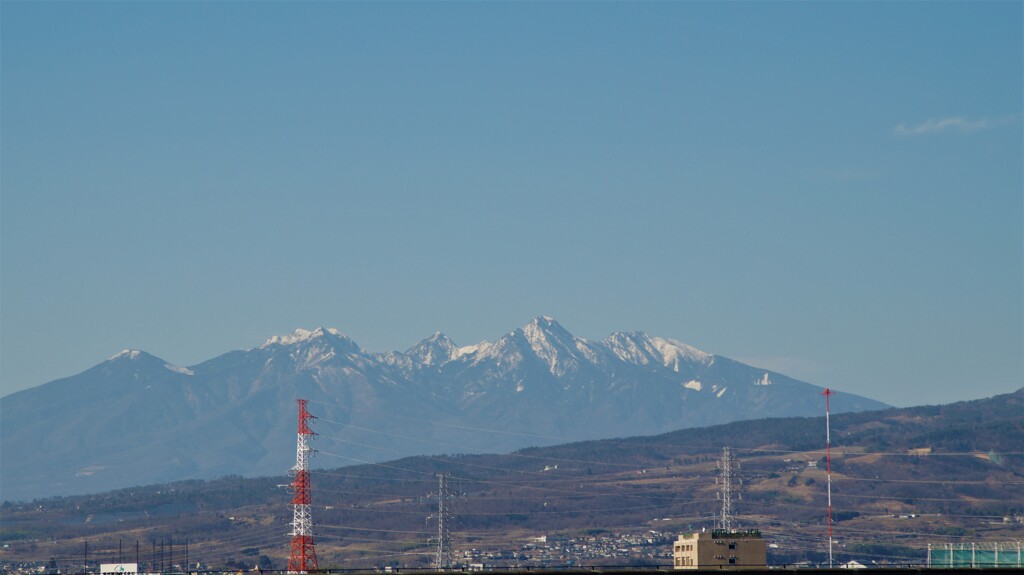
652,547
716,549
723,548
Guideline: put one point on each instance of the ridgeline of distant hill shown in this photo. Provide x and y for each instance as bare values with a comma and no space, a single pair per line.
902,478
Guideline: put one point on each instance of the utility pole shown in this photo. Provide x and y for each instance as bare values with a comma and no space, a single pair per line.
828,467
444,537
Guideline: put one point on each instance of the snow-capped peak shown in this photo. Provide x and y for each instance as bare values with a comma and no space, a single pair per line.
554,345
126,353
673,351
138,359
544,329
134,354
437,349
301,335
634,347
639,348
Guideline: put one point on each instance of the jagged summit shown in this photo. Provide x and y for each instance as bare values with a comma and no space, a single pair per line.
545,325
641,349
300,335
560,350
438,349
545,333
314,348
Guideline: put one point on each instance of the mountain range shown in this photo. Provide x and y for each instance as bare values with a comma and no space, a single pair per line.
137,419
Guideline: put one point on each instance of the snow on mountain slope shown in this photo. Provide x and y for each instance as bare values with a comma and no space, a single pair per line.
436,350
136,418
641,349
300,335
673,352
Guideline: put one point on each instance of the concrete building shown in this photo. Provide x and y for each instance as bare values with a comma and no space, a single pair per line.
720,549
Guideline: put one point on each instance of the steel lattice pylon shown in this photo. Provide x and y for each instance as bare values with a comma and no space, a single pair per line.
303,554
727,479
443,560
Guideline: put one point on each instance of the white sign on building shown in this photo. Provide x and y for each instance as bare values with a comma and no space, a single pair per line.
119,569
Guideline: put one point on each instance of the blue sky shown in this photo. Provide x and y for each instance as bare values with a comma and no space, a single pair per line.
832,190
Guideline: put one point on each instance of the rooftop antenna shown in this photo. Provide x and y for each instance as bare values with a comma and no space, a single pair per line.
828,467
303,554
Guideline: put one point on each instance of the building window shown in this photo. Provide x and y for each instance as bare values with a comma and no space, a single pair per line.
732,561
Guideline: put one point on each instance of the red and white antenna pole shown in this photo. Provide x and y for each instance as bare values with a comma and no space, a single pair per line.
828,467
303,555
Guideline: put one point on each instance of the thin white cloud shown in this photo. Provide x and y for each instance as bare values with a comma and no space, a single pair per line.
934,126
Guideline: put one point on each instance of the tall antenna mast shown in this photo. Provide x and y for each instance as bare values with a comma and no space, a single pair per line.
828,467
726,473
444,536
303,555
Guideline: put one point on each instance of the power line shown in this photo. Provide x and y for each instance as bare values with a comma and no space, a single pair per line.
704,447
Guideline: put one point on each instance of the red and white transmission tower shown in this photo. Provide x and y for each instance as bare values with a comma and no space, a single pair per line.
303,556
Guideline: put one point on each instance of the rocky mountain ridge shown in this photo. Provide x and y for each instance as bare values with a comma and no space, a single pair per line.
137,419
